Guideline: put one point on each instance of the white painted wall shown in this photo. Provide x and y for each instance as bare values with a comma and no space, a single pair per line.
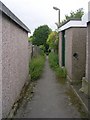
73,23
85,19
89,11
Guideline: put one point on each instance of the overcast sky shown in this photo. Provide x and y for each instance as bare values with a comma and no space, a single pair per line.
39,12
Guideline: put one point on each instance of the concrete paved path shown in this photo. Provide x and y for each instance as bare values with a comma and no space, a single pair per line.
49,100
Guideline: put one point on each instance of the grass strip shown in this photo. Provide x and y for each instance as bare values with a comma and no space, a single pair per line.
54,64
36,67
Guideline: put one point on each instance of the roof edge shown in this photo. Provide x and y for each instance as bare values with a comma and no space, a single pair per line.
71,19
8,13
72,23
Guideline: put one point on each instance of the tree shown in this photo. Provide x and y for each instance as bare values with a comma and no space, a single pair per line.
30,39
52,41
77,14
40,36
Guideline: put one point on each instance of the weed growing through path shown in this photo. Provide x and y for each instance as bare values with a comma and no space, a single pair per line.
76,102
54,64
36,66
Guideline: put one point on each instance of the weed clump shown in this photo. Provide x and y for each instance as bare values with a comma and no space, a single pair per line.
36,66
54,64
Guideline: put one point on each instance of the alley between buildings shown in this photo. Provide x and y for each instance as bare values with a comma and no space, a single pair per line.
49,100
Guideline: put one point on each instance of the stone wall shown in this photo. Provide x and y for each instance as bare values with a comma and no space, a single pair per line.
15,59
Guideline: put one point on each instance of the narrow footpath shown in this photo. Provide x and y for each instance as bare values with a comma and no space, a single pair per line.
49,100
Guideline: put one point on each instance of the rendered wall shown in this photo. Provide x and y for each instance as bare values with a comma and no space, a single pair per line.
75,43
60,48
88,53
0,65
68,51
15,61
79,47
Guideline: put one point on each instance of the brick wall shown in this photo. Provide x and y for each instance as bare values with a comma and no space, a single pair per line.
15,60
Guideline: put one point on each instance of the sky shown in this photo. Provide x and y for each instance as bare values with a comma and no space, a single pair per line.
34,13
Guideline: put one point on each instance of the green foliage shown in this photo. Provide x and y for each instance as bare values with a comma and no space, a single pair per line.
40,36
77,14
53,60
52,40
36,66
42,47
54,64
61,72
42,53
30,39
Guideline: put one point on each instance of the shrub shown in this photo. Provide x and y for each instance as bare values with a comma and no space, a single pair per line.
53,60
54,64
36,67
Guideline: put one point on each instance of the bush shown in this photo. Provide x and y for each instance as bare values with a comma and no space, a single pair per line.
53,60
54,64
36,66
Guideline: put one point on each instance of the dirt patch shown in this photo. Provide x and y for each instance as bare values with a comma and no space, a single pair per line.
62,81
74,100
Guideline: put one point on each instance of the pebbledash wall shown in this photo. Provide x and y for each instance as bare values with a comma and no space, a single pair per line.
73,55
88,46
0,67
88,52
15,57
86,79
